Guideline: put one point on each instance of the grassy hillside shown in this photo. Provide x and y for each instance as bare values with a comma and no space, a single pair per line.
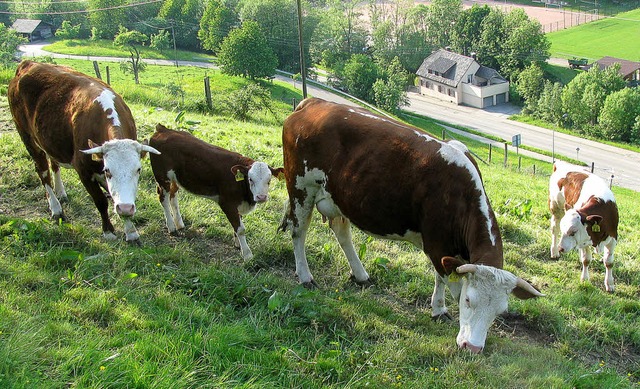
186,311
605,37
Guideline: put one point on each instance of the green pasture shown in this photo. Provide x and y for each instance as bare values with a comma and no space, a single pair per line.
610,36
187,312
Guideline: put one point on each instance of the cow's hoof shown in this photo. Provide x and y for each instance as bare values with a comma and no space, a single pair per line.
310,285
174,233
365,284
59,218
442,318
135,242
63,199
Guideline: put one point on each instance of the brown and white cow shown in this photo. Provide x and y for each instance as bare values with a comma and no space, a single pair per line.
584,214
396,182
66,118
235,182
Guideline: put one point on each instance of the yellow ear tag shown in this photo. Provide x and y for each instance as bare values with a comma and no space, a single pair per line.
595,227
454,277
239,176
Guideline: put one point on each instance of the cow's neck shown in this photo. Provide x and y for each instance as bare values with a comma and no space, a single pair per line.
482,250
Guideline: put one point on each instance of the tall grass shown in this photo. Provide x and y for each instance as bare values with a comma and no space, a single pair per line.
186,311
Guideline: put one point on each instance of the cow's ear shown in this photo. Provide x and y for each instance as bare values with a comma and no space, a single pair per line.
593,222
561,183
277,173
92,144
450,264
239,172
95,150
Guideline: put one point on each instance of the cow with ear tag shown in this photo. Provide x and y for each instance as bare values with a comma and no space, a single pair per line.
483,294
59,113
394,181
237,183
584,215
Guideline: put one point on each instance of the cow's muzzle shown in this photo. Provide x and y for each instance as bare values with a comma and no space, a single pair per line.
468,346
126,209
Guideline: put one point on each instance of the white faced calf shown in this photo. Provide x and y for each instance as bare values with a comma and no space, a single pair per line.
235,182
591,218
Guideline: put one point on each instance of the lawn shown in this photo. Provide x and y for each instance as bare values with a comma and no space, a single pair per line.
610,36
185,311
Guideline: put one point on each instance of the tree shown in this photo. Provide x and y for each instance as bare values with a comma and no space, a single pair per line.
105,22
443,15
245,52
160,41
390,93
132,40
530,85
182,16
359,75
525,44
489,45
619,115
584,96
67,31
339,34
217,20
467,29
247,99
9,42
549,107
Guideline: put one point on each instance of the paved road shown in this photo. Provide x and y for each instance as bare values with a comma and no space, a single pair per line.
622,164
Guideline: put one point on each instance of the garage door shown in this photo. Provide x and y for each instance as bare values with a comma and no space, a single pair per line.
501,98
487,102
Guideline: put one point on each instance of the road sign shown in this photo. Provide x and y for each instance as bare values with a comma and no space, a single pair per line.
515,140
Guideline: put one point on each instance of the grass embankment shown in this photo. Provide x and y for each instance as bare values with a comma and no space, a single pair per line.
606,37
186,311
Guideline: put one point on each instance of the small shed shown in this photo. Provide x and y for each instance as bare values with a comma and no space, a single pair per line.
33,29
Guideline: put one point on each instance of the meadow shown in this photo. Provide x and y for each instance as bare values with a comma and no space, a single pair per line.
606,37
187,312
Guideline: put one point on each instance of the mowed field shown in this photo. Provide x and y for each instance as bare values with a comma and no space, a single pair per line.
611,36
187,312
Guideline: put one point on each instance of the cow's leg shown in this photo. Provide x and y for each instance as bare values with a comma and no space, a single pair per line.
297,217
585,258
341,227
164,195
102,204
239,231
58,186
607,259
555,234
438,306
130,232
175,209
42,169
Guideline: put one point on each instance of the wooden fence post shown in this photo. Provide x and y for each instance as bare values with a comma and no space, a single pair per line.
444,134
96,68
207,92
505,155
490,148
519,163
108,75
593,166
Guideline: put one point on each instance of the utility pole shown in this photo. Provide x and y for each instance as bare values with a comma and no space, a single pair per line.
173,35
303,68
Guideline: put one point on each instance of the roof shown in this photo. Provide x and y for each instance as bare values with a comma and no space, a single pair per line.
626,67
455,66
489,74
27,26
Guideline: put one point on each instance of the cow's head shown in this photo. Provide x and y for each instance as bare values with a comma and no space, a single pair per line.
575,228
121,159
258,175
484,295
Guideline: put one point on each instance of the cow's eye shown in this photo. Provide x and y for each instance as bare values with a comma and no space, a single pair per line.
139,170
107,173
467,302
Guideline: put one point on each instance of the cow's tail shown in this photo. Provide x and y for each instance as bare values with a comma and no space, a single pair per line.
284,223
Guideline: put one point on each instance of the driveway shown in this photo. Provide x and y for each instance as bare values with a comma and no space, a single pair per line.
609,161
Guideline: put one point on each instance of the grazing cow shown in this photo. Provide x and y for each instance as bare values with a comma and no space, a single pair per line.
66,118
584,214
235,182
394,181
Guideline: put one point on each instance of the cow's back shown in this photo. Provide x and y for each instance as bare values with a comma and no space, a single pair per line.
61,109
390,179
199,167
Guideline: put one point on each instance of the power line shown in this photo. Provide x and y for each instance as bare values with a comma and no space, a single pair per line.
83,11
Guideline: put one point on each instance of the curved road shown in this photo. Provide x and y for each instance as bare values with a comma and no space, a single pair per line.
624,165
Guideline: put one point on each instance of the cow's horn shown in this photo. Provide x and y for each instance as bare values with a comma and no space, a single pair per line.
466,268
527,286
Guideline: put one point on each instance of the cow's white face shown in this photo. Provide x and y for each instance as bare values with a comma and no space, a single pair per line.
259,176
121,158
574,232
485,293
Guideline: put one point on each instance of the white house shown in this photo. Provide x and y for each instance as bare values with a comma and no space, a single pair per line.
461,80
